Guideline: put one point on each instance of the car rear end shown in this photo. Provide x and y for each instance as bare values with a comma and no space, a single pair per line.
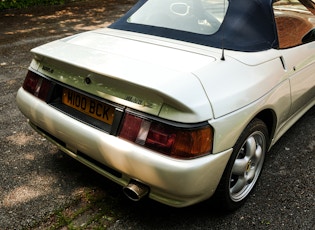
133,118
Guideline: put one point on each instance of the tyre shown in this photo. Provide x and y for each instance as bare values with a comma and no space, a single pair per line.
244,167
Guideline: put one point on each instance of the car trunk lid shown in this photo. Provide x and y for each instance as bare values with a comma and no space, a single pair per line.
150,77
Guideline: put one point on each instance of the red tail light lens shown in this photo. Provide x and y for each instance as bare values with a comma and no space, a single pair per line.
37,85
44,89
31,82
131,127
161,138
166,139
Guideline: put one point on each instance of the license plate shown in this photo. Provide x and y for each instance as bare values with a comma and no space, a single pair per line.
89,106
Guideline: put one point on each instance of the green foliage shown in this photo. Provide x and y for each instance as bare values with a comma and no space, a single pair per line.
8,4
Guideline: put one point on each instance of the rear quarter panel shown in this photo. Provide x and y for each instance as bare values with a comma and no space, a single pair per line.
239,89
235,83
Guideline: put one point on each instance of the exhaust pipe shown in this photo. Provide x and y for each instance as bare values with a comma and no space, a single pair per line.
135,190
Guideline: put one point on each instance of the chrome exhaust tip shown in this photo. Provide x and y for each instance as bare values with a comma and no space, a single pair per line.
135,190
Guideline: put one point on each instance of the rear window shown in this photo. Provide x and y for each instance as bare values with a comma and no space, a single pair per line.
195,16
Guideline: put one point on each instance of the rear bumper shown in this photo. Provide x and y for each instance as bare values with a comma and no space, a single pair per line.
173,182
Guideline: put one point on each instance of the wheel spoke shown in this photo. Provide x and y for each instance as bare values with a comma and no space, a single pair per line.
250,175
241,182
239,167
258,153
250,147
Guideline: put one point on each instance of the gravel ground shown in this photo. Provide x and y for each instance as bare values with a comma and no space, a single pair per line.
42,188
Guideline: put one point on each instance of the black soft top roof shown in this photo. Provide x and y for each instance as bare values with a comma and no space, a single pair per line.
248,26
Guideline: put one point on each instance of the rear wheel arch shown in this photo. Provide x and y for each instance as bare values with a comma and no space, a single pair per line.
268,116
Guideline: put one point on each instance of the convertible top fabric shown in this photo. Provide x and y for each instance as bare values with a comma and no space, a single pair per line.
248,26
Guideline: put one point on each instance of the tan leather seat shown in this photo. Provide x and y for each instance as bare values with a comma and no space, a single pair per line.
291,29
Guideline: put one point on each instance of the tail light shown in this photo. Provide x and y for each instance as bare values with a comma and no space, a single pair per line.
37,85
176,142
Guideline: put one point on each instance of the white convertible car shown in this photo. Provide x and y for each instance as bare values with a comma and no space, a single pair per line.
179,100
